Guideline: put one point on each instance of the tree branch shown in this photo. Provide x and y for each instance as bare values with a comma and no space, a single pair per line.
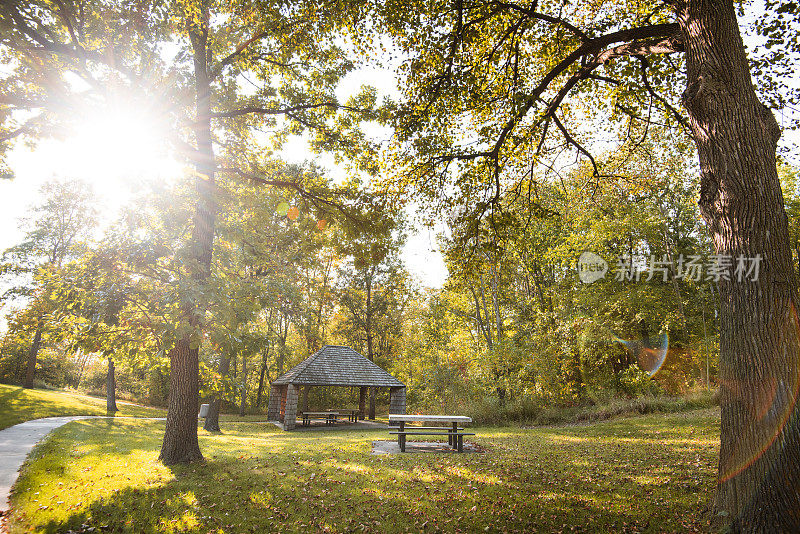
530,12
74,52
283,111
304,193
227,60
646,81
577,145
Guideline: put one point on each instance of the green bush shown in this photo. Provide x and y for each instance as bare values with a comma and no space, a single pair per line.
635,382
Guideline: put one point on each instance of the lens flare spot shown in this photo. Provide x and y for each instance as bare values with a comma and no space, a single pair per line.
649,355
293,213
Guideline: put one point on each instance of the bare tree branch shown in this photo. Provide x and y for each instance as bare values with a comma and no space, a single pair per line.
646,81
531,12
577,145
284,111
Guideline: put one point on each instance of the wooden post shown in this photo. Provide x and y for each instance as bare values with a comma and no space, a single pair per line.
304,405
362,402
373,391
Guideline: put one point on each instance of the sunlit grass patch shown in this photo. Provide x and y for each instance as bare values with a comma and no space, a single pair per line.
609,477
18,404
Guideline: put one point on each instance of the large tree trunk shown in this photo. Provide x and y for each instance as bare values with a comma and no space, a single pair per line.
111,388
30,372
741,201
180,439
212,418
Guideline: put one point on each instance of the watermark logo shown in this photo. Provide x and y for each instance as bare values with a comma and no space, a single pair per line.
591,267
714,268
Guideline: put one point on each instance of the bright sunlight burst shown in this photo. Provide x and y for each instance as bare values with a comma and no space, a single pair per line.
121,145
115,149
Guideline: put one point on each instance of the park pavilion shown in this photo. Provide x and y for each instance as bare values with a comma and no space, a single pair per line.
332,365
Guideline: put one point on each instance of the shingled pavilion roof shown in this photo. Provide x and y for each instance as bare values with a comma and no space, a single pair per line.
333,365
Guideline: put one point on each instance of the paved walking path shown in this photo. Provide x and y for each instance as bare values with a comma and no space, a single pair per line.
17,441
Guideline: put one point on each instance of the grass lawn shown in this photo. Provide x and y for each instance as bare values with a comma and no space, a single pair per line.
18,405
644,474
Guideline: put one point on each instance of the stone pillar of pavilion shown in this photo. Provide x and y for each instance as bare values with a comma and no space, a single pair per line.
274,403
290,412
397,400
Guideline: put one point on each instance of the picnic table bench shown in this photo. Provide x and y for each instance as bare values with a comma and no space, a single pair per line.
329,417
352,415
454,433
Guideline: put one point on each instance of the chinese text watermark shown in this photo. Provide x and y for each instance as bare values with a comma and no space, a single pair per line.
716,267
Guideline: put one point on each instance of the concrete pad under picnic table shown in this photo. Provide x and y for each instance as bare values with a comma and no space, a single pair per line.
391,447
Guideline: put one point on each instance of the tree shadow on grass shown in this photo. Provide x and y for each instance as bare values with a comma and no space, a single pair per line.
207,496
12,393
203,498
293,483
173,507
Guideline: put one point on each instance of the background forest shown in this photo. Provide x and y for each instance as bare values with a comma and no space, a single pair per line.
513,334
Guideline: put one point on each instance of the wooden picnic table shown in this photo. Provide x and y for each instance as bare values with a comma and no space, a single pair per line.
454,437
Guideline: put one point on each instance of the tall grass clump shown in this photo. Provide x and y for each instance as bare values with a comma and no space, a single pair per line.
488,411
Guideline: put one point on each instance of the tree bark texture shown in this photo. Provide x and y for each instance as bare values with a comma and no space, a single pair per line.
212,419
742,204
180,439
111,388
30,372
